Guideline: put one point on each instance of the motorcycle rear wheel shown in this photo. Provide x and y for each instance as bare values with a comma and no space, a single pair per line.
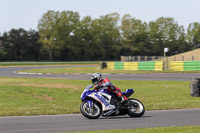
136,111
90,113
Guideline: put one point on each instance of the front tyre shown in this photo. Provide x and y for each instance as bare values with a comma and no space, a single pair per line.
90,113
137,109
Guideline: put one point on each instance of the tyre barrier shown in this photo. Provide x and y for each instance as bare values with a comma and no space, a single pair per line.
195,87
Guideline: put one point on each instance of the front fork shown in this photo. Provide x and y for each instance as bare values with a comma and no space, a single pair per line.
91,106
90,103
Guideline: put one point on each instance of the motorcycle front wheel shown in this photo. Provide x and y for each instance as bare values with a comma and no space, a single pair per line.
90,113
137,109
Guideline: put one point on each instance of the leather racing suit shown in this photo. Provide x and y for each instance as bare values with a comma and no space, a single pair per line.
103,83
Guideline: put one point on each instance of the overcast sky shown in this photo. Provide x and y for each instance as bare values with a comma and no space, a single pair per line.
26,13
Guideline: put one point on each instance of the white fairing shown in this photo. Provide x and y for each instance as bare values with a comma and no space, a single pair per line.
105,102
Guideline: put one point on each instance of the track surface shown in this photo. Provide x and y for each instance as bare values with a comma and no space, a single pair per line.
9,72
76,122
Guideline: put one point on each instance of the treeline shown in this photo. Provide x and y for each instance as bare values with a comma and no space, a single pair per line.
19,45
65,36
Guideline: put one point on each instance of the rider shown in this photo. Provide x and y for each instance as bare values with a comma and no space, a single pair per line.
99,82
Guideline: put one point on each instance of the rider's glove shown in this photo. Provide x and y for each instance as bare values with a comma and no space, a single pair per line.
98,87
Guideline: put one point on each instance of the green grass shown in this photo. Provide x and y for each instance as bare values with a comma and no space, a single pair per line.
93,70
35,96
47,63
183,129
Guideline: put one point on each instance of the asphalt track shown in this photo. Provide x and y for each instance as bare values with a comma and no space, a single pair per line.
76,122
9,72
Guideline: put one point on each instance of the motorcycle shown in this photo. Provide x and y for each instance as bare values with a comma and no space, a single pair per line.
102,102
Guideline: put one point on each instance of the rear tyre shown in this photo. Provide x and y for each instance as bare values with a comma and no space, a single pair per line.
90,113
137,109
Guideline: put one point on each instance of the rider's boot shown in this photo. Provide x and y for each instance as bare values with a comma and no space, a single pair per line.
122,98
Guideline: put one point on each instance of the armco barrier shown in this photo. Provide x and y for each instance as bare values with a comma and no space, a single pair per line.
143,66
146,66
184,65
119,65
158,66
131,66
154,65
192,65
110,65
176,65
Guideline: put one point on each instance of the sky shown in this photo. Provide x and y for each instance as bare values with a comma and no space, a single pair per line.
26,13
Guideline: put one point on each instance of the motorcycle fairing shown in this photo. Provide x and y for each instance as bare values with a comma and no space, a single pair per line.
99,96
86,92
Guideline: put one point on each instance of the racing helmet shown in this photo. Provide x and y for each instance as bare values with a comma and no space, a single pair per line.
96,78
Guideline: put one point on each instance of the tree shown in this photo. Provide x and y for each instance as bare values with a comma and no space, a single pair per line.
55,30
193,35
47,32
83,38
2,50
33,51
165,32
105,37
134,36
19,44
14,42
66,34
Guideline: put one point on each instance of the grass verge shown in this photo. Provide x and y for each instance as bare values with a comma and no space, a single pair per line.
93,70
183,129
34,96
47,63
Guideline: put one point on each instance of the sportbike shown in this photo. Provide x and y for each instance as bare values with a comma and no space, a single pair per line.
102,102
